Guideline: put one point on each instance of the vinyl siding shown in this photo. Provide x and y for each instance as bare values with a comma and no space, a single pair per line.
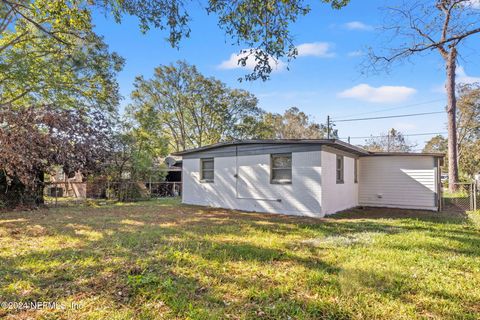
338,197
398,181
252,190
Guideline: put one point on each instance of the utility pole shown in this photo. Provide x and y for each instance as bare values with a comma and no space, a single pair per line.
388,141
328,127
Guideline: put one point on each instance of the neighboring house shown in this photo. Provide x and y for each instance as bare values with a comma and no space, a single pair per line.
308,177
174,169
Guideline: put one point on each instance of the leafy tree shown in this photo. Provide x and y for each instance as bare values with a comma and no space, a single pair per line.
468,116
191,110
294,124
262,26
50,54
36,137
418,27
436,144
57,73
136,156
392,141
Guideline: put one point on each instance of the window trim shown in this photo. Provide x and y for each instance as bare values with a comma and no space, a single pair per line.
284,181
202,179
341,169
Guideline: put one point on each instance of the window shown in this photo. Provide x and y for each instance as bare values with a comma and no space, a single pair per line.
339,169
355,169
206,170
281,168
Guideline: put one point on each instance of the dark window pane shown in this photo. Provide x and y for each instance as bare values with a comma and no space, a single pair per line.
207,175
207,164
339,169
281,174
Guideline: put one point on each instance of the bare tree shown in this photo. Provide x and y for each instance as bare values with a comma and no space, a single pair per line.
392,141
418,26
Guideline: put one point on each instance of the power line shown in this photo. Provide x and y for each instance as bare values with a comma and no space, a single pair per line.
389,117
405,135
394,108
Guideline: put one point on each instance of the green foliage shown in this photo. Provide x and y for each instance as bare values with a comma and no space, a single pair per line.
294,124
436,144
263,26
136,156
56,60
468,128
58,91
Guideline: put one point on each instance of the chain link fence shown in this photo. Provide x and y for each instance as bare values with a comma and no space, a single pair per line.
75,192
466,197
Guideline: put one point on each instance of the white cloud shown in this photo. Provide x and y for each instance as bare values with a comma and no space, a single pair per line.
475,4
462,76
357,25
315,49
357,53
383,94
232,62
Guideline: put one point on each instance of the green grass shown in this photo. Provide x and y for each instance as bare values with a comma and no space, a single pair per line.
163,260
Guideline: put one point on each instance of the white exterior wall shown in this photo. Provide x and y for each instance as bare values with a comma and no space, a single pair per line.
338,197
253,191
398,181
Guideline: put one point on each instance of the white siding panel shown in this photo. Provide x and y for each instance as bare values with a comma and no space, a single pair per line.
338,197
252,190
398,181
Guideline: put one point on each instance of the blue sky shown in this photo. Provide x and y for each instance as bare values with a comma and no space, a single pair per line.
324,80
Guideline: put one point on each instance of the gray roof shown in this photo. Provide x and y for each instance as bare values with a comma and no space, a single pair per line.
329,142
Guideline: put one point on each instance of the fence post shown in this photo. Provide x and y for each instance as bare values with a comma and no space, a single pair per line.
471,196
150,185
56,195
475,197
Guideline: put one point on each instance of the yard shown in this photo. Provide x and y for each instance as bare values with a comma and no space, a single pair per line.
160,259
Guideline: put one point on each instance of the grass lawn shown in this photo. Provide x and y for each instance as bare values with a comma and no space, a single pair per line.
163,260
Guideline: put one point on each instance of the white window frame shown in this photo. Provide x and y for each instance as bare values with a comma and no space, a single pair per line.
272,169
340,179
202,170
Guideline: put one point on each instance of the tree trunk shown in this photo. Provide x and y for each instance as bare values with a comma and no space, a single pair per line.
451,64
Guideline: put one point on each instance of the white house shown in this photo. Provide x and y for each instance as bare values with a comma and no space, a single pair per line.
307,177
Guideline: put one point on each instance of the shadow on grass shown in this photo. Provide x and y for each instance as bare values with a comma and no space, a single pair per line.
182,257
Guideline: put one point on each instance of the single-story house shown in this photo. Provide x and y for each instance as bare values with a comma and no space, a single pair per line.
308,177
